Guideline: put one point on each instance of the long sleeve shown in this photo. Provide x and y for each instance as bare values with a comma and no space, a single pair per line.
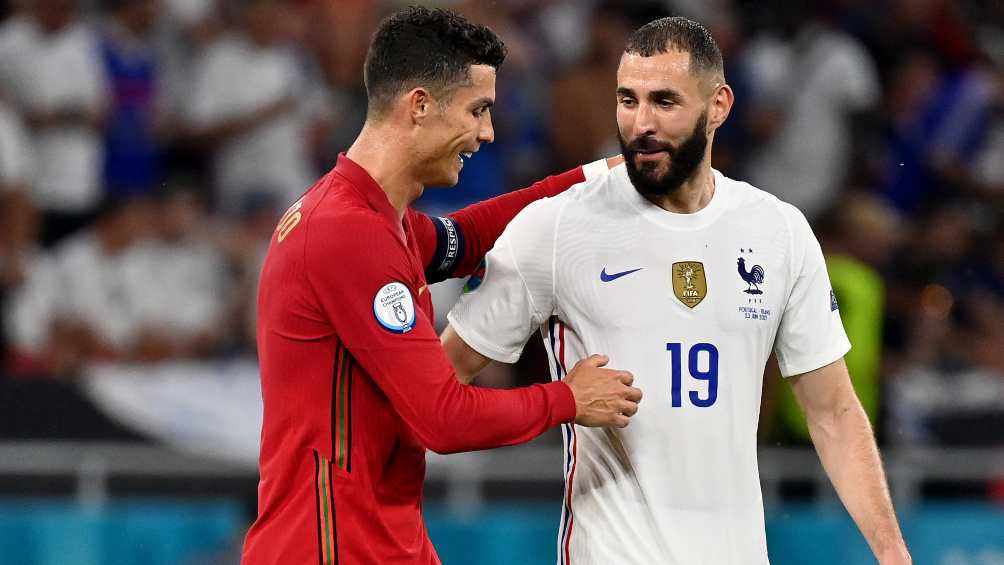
455,245
372,305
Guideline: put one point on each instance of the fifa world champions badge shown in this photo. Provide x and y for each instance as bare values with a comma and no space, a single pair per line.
690,285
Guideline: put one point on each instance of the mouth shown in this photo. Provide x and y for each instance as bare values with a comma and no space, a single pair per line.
463,155
650,155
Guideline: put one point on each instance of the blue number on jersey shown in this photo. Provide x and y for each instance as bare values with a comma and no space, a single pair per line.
694,368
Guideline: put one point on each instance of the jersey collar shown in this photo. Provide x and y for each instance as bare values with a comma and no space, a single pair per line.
368,188
671,220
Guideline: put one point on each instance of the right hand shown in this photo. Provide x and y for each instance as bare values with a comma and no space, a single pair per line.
603,397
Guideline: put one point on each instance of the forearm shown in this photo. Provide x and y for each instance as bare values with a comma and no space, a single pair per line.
846,445
450,417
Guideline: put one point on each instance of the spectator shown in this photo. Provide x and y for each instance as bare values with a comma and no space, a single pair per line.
337,36
15,156
133,66
29,294
581,129
246,106
940,120
245,243
50,64
912,113
810,84
97,309
181,291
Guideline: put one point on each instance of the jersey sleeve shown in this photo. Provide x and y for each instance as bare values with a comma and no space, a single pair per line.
454,246
361,276
810,334
516,293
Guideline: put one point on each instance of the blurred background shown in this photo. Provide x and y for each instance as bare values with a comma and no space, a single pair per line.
148,147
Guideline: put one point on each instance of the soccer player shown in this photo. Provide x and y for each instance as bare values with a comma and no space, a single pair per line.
688,279
355,383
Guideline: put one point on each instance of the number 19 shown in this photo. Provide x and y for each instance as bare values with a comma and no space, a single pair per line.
694,368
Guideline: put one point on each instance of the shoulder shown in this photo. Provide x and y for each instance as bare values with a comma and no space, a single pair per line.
599,183
763,207
341,228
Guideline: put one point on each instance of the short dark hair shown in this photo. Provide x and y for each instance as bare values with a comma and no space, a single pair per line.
678,34
433,48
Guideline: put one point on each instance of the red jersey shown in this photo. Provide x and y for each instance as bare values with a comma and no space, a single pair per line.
355,383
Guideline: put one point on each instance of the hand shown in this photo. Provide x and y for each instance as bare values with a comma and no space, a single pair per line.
603,397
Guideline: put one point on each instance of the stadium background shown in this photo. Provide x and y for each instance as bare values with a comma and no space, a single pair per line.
147,148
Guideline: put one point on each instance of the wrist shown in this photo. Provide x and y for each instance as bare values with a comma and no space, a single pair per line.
896,554
564,409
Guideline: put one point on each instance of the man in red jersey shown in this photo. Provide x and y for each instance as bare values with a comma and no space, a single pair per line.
355,383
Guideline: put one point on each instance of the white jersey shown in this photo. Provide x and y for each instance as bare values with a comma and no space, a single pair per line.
692,305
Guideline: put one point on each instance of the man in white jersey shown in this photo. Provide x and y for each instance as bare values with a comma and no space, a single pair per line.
689,280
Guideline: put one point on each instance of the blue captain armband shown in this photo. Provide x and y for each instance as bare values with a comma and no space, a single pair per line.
449,250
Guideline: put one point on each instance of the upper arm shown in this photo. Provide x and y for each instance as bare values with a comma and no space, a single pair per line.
516,293
441,244
466,361
824,390
359,272
810,334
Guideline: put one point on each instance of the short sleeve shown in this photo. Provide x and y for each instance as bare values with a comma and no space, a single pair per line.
516,293
811,334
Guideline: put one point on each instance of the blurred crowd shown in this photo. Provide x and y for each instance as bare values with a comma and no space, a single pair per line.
148,147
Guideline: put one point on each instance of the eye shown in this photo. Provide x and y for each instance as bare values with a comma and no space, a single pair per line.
628,102
665,103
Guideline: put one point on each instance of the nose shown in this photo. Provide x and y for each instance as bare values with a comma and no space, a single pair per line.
486,131
644,120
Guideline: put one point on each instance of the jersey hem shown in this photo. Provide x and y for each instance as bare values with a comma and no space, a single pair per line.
789,370
481,346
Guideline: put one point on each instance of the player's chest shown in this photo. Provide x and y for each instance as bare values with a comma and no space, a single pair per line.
730,282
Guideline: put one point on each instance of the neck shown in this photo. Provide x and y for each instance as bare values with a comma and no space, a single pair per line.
380,153
692,196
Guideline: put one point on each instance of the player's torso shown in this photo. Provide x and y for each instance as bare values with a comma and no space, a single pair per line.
323,411
675,306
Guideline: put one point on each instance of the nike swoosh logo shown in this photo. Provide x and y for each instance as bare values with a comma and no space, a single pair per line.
614,276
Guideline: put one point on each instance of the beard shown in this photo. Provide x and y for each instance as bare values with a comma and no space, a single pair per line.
683,160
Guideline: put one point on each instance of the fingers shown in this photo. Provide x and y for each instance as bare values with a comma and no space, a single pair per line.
593,361
627,408
633,394
625,377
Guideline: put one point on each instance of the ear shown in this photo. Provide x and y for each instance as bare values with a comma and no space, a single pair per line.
721,105
421,104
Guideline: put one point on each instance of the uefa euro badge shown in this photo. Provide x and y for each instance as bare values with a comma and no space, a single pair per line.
394,307
689,283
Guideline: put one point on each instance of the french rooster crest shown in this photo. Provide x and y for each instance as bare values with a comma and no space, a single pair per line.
753,277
